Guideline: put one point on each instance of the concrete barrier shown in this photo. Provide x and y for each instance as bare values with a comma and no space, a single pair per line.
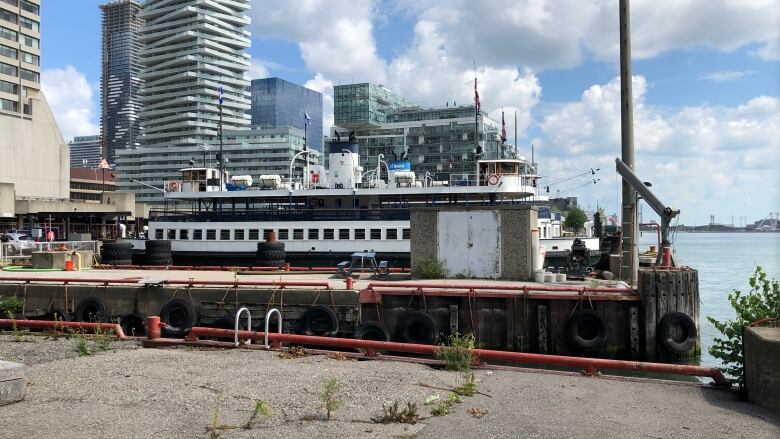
12,382
762,363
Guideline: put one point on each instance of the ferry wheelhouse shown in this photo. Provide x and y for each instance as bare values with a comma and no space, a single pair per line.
328,212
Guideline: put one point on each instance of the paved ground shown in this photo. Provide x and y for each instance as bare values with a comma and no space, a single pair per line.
129,392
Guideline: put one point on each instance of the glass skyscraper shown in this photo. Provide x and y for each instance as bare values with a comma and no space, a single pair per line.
363,105
277,103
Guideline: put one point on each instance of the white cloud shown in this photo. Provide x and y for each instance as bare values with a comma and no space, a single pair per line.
727,75
322,85
70,99
257,70
706,158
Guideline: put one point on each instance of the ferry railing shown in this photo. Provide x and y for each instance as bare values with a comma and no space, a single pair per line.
183,282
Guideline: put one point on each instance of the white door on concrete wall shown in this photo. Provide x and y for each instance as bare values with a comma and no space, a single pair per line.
470,243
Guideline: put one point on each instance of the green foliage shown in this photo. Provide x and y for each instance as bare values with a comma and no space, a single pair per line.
456,352
440,409
214,433
454,398
10,306
469,387
329,397
575,219
82,346
762,301
432,268
392,414
261,409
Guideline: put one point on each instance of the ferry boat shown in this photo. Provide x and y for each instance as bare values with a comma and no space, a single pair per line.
328,214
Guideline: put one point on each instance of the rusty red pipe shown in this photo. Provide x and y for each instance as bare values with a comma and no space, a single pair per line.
501,287
70,280
55,325
589,364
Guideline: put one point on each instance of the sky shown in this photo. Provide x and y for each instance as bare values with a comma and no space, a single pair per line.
706,82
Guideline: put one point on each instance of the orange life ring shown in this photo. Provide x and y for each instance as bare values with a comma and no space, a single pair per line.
492,179
315,178
173,186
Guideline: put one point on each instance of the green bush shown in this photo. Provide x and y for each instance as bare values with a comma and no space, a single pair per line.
9,305
432,268
762,301
456,352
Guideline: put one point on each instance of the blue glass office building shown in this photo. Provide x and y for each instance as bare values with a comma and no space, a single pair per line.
278,103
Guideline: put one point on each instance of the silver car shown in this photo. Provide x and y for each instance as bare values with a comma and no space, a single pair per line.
19,244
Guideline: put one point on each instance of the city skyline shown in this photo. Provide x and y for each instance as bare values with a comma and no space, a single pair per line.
706,96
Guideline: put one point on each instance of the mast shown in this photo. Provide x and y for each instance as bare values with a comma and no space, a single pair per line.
629,256
221,158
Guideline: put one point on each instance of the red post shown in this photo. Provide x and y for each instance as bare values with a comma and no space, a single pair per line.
286,266
350,283
666,257
153,326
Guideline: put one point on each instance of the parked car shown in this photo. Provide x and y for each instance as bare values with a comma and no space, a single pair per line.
19,244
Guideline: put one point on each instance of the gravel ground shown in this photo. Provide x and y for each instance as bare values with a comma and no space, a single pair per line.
27,349
172,393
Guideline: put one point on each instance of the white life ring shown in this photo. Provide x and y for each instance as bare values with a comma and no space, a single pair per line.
492,179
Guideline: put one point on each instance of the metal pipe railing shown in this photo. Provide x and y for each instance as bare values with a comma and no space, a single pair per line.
55,325
188,282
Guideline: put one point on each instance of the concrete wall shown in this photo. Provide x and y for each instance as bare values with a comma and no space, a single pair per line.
112,202
35,157
7,198
516,256
762,366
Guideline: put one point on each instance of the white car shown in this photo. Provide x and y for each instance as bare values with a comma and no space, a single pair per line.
19,243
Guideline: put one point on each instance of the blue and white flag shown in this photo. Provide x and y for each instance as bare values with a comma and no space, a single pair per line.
221,95
307,118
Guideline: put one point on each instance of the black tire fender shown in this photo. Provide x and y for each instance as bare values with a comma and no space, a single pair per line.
671,326
179,316
586,331
263,246
417,327
372,330
320,320
133,324
90,309
56,314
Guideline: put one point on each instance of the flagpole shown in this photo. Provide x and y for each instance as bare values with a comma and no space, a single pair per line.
515,133
221,157
307,177
476,113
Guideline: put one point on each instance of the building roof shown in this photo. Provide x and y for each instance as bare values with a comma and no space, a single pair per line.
92,174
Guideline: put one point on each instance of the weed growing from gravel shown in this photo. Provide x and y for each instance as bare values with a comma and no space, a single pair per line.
82,347
454,398
440,409
103,339
330,398
261,409
391,413
9,306
14,328
456,352
214,431
469,387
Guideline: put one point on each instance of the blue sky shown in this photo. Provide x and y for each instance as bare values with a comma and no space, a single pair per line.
706,87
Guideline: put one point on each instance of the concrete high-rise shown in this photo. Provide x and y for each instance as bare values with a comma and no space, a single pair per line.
192,49
33,155
277,103
120,81
85,152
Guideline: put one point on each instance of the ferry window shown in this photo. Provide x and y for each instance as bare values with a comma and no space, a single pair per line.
376,233
360,233
343,233
327,234
158,234
267,232
254,234
224,235
392,233
197,234
183,234
238,235
211,234
314,233
297,233
338,203
407,234
283,234
171,234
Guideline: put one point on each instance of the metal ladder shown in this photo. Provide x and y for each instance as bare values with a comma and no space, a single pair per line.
268,323
249,324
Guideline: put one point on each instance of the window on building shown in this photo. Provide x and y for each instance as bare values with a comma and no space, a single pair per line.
158,233
297,233
327,234
11,2
31,7
8,69
8,34
184,234
29,58
29,24
224,235
283,234
211,235
407,234
171,234
344,234
360,233
392,234
376,233
238,234
9,87
9,52
29,41
29,75
254,234
8,16
197,234
314,233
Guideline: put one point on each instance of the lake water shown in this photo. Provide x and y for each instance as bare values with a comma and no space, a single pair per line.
725,262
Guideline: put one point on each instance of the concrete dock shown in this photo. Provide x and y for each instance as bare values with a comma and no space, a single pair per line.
130,392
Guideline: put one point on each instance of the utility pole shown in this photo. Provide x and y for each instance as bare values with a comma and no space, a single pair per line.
629,260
